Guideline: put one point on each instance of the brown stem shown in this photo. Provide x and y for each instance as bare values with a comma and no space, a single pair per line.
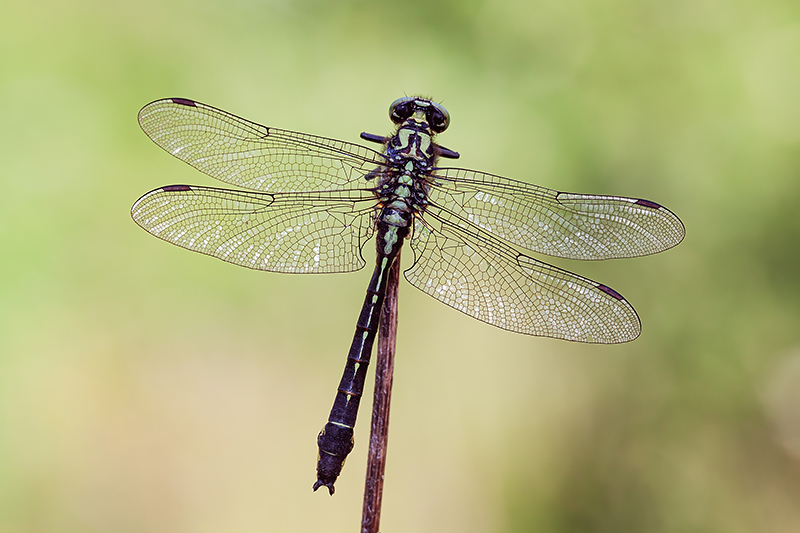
379,431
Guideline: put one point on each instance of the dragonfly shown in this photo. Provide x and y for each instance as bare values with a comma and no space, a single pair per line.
310,204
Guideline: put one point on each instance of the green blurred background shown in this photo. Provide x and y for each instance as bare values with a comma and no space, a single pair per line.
146,388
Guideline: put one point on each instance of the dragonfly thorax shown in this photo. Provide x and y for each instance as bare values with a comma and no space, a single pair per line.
410,154
412,141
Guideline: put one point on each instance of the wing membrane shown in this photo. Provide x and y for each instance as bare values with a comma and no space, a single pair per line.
249,155
573,226
470,270
289,232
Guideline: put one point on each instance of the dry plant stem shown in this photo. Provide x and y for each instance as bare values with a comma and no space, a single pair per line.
379,431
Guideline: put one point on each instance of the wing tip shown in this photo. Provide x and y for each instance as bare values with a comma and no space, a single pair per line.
611,292
175,188
680,228
647,203
183,101
161,101
167,188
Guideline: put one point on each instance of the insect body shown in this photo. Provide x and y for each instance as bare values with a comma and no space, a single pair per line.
310,204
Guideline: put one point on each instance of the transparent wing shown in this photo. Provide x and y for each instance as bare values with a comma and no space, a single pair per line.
472,271
252,156
573,226
289,232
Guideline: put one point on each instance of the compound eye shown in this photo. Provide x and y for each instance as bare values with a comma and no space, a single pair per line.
438,118
401,109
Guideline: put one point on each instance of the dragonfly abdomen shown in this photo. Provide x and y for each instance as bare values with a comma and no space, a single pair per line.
335,441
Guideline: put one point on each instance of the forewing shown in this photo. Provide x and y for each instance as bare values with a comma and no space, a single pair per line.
470,270
289,232
573,226
252,156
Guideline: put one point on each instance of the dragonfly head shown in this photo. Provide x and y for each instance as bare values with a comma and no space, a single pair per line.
420,109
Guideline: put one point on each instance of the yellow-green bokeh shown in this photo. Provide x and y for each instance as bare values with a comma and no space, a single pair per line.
146,388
